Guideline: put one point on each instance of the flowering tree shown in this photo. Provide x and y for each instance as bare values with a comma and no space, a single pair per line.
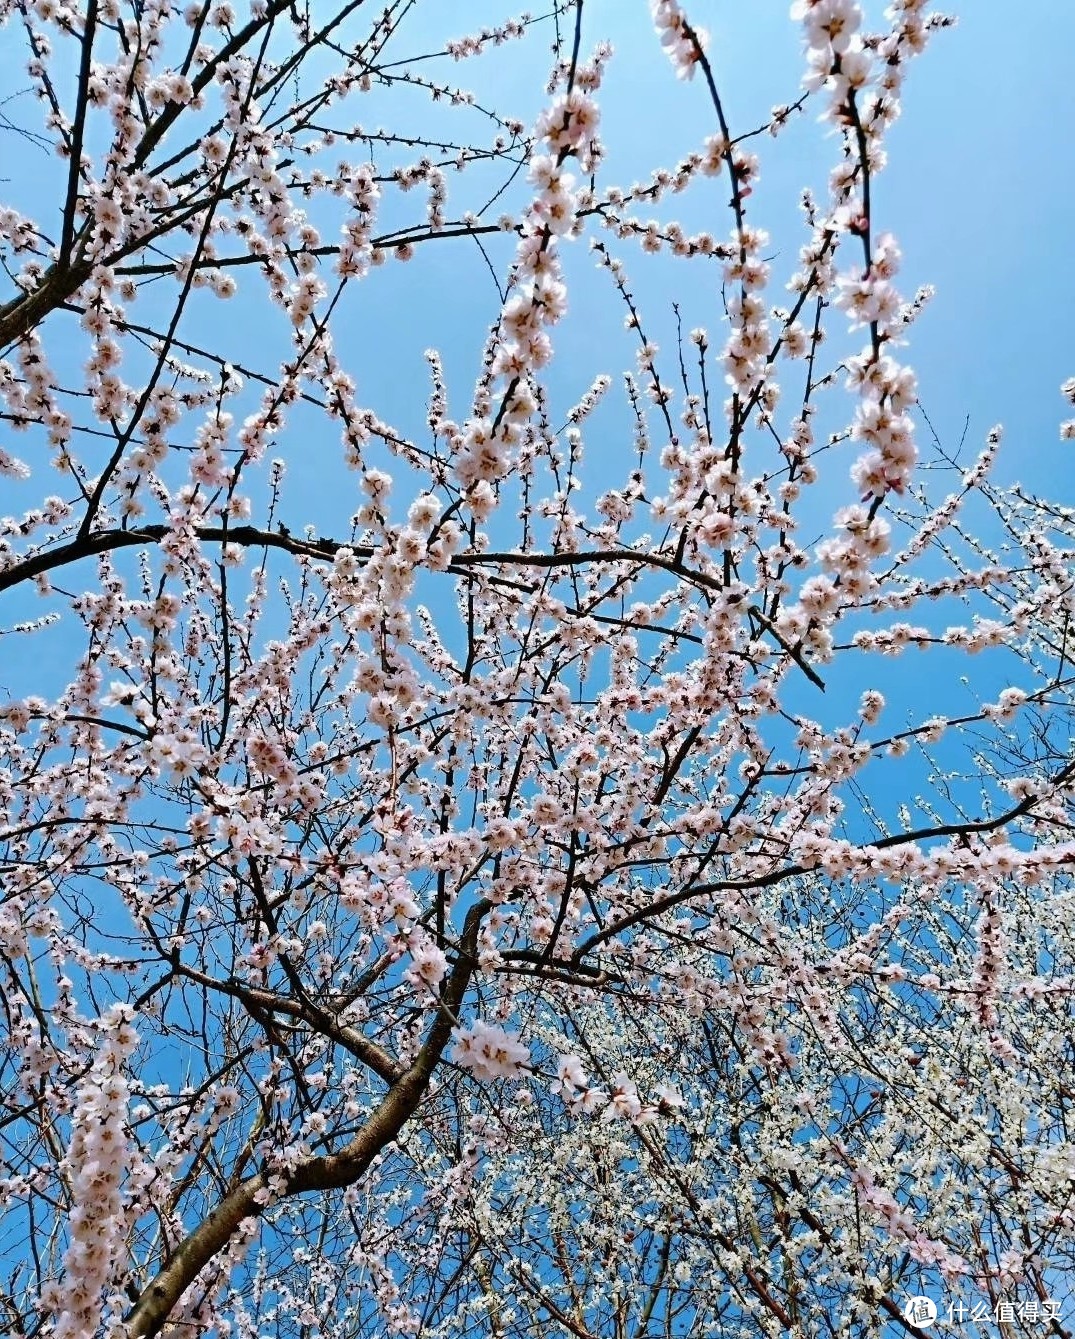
512,907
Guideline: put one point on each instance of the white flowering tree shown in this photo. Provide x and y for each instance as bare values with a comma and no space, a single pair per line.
508,904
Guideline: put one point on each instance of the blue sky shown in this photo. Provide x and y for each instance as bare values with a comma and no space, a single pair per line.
978,192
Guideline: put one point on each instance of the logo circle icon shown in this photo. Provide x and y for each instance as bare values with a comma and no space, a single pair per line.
920,1311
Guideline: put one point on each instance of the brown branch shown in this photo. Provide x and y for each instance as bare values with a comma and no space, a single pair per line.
332,1171
320,1019
70,207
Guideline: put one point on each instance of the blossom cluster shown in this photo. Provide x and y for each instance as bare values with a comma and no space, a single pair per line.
489,1052
97,1162
482,450
683,42
621,1101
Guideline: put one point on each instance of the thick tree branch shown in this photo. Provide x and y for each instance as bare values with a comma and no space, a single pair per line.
331,1172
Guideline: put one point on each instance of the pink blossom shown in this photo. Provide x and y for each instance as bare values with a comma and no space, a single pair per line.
489,1052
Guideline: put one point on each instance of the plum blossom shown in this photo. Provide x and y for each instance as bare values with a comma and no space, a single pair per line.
569,124
871,706
682,42
489,1052
98,1159
570,1076
624,1102
428,964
